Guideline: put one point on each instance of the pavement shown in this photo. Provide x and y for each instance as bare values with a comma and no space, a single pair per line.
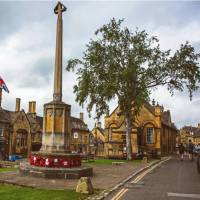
168,180
105,177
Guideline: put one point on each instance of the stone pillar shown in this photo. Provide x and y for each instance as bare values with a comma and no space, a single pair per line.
17,106
57,95
56,126
10,141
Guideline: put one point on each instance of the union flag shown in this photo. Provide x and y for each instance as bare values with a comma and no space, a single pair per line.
3,85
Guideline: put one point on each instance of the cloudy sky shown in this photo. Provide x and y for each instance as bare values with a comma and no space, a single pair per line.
27,47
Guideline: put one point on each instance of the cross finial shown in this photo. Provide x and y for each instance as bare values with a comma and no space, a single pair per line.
59,8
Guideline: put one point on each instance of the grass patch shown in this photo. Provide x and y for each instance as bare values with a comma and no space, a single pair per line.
10,192
8,169
110,161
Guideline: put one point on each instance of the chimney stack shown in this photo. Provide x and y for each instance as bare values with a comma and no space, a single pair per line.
81,117
99,124
30,106
158,110
33,106
17,106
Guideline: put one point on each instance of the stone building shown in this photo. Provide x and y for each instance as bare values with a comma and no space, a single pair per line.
80,135
20,132
98,140
190,133
153,132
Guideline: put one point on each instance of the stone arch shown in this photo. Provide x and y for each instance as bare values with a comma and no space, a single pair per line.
148,122
21,146
142,140
115,125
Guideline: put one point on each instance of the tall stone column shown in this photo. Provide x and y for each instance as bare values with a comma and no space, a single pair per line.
57,95
56,121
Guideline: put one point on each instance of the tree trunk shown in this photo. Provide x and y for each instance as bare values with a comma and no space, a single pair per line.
128,123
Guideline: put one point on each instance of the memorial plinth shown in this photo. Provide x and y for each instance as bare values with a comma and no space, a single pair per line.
54,159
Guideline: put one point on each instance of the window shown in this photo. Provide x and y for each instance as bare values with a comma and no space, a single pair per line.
150,135
21,139
1,132
123,138
86,140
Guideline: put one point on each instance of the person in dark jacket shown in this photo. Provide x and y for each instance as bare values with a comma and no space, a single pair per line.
190,150
181,151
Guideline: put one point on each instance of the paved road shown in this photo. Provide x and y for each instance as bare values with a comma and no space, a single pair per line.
173,180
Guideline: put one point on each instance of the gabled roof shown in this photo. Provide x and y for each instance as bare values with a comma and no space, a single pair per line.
101,130
149,107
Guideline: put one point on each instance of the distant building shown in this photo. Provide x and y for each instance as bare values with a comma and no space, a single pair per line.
190,133
80,135
153,132
98,140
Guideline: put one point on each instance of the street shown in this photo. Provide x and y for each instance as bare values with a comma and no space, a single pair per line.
172,180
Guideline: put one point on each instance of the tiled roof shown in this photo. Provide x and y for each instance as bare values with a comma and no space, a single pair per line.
77,123
191,129
7,116
39,120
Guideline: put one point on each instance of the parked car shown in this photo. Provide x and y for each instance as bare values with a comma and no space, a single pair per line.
13,158
196,150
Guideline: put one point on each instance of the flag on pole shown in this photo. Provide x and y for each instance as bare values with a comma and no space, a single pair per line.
3,85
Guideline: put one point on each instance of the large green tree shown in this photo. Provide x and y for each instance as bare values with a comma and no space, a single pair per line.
127,65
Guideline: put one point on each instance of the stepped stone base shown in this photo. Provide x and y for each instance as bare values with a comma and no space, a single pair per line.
26,169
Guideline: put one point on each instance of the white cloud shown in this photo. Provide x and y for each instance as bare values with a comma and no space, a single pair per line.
27,52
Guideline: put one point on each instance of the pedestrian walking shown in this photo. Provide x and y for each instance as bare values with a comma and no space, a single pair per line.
181,151
190,150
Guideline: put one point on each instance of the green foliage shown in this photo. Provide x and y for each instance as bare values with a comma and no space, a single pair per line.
127,66
9,192
8,169
110,161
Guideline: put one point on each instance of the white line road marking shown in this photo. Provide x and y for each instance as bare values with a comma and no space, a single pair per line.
193,196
